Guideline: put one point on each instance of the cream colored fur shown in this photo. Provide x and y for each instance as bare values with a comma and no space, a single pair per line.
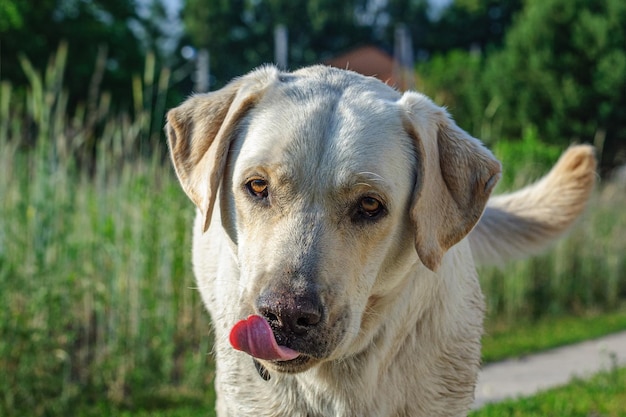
402,307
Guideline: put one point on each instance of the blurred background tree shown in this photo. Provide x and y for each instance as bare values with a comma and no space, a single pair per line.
563,70
319,29
239,35
558,70
106,46
473,24
498,65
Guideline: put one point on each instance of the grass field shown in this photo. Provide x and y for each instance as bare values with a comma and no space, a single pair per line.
99,310
504,340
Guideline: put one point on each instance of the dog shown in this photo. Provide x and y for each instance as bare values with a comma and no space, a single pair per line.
339,225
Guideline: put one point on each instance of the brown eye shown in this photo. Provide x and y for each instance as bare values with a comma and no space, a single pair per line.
370,207
257,187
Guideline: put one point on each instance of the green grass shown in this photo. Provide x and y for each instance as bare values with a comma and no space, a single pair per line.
503,341
98,298
177,412
166,403
602,396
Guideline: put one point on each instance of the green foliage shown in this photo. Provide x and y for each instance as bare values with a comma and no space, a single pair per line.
10,16
604,395
562,70
471,24
105,47
236,34
216,23
524,160
452,80
97,296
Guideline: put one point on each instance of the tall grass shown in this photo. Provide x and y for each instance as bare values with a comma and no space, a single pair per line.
96,290
98,301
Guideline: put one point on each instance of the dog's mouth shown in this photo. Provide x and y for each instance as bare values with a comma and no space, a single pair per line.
255,337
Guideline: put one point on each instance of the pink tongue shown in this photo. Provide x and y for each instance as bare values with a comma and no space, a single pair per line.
255,337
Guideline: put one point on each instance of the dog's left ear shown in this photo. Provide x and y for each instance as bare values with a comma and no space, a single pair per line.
455,177
200,130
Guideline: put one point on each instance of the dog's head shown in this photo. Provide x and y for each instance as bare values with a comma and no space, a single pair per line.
333,188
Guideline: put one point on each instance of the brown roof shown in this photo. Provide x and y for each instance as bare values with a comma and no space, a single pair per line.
366,60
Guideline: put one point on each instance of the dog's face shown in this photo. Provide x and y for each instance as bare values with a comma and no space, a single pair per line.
321,188
333,187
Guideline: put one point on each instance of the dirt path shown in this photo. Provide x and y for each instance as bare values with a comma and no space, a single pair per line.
528,375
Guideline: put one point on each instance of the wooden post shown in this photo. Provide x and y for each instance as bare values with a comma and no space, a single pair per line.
403,58
281,46
202,76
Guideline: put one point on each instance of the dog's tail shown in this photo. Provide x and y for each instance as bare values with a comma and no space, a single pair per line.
524,222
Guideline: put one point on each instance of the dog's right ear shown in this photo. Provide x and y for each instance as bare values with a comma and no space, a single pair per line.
455,177
199,133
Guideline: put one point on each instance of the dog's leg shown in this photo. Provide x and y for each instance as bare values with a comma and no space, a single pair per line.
524,222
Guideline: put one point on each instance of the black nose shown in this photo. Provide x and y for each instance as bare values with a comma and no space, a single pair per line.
286,312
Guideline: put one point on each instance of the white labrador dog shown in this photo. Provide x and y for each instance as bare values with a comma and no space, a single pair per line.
335,243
